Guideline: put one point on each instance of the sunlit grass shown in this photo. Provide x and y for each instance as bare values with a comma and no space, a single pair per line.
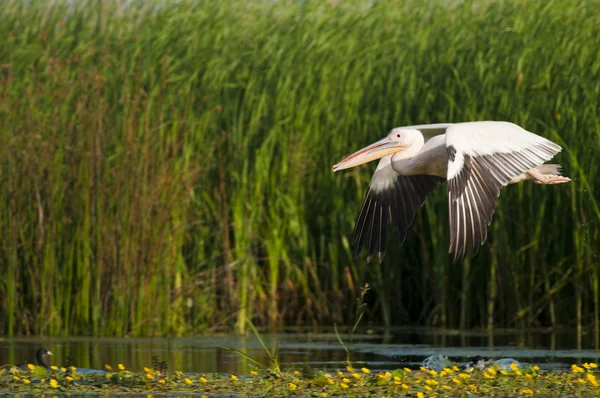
165,165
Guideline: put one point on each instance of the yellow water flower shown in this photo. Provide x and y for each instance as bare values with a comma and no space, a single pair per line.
149,376
26,381
43,381
344,386
404,387
109,368
16,378
234,377
514,367
356,376
593,365
148,370
340,373
576,369
254,373
455,368
63,369
443,373
162,381
407,370
518,372
349,368
346,380
121,366
432,372
292,386
586,365
324,394
54,367
527,391
396,378
464,375
447,370
203,379
72,368
592,379
431,382
491,371
488,376
31,366
53,383
472,387
528,376
330,382
423,368
427,388
581,381
296,372
420,395
504,372
455,380
366,370
69,379
536,368
447,387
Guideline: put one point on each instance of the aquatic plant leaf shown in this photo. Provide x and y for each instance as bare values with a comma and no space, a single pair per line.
320,379
398,373
39,371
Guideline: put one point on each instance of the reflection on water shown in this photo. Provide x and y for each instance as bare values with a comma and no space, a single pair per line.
385,351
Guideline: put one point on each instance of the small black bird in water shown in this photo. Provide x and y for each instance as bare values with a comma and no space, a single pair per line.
476,362
41,354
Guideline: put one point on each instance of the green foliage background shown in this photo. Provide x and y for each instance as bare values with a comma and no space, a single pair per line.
165,166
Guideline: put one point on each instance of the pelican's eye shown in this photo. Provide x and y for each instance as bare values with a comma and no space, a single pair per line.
398,135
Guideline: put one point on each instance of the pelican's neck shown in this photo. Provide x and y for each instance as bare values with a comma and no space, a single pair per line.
402,161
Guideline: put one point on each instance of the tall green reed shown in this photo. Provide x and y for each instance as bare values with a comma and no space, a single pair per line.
165,165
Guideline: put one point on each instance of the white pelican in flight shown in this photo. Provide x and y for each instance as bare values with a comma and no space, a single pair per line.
476,159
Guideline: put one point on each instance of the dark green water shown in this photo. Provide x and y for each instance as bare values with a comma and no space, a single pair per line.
378,351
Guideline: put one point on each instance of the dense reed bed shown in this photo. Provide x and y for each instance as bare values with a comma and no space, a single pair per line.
165,165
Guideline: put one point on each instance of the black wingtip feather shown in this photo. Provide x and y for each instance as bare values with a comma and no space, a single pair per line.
474,191
397,204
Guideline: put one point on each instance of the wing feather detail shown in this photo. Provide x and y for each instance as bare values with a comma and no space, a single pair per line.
396,202
480,163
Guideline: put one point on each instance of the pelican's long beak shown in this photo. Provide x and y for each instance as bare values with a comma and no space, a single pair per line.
374,151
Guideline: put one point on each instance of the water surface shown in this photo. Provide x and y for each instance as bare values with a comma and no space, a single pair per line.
374,349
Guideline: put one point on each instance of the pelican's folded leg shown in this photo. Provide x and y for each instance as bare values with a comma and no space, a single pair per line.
541,178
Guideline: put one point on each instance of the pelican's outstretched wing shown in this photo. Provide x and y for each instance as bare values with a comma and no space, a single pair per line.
390,197
482,158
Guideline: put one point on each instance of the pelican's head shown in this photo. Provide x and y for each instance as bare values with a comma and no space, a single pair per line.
397,140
